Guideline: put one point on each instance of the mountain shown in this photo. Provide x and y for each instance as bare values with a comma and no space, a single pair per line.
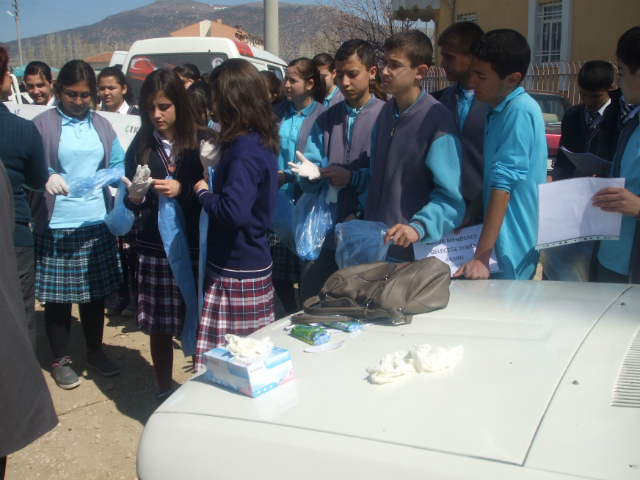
299,25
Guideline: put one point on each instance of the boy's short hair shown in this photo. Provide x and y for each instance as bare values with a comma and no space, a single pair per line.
414,44
460,36
596,75
628,51
506,50
325,60
360,48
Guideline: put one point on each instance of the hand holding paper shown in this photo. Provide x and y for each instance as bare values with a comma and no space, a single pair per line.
619,200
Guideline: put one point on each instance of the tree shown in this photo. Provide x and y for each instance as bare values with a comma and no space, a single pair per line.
370,20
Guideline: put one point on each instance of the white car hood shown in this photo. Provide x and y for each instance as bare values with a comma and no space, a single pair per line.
518,338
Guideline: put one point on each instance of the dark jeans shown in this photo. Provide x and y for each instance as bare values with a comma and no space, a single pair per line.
315,273
57,320
609,276
25,256
129,263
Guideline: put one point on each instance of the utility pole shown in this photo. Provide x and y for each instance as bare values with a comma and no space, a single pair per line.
271,32
15,15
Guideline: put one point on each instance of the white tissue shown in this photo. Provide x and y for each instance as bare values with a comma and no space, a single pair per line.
247,347
332,194
420,359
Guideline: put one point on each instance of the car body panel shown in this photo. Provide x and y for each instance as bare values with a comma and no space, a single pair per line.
519,338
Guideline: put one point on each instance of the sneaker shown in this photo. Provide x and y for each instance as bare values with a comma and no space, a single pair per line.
99,361
130,310
117,305
64,375
161,397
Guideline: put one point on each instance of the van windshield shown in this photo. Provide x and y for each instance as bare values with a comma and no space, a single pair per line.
142,65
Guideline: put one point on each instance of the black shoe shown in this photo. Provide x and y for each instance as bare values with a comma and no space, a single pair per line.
64,375
161,397
99,361
117,305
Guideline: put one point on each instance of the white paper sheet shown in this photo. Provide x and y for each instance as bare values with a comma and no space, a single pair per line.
587,163
455,250
566,214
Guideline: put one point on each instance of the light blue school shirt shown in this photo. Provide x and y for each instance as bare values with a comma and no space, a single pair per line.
446,207
289,132
616,255
515,155
314,152
328,99
80,154
465,99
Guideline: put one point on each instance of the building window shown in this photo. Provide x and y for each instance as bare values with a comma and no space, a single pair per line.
549,27
467,17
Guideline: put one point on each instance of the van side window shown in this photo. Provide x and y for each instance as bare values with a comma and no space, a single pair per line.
276,71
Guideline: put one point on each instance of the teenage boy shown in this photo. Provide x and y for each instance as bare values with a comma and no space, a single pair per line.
467,110
619,261
39,84
415,185
342,134
592,126
515,153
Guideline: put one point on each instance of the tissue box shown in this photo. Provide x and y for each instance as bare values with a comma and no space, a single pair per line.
249,376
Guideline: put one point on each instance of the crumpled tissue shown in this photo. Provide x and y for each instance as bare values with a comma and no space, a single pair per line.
420,359
247,347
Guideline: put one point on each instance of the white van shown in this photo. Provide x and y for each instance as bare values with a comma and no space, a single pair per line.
118,57
206,53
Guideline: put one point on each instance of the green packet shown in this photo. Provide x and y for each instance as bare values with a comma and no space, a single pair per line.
309,334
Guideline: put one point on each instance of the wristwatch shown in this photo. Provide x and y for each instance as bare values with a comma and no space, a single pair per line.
358,213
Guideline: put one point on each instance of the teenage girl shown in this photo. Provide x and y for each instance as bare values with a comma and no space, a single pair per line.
167,144
343,135
76,255
117,97
304,91
39,84
327,68
188,73
200,96
274,86
238,289
115,94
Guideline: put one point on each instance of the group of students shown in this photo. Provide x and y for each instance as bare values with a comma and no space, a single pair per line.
423,164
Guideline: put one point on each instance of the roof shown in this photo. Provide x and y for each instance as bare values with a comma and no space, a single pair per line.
104,57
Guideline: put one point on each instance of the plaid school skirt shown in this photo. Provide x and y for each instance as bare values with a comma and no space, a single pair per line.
76,265
161,308
286,264
234,306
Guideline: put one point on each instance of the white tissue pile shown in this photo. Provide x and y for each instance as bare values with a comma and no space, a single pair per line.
247,347
420,359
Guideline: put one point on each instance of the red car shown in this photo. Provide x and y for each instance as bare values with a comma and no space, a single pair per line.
553,106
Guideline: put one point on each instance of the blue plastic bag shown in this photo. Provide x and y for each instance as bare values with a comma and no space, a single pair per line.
360,241
120,219
202,259
313,219
172,228
85,186
282,223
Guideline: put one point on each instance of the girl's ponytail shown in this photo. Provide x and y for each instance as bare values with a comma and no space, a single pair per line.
308,71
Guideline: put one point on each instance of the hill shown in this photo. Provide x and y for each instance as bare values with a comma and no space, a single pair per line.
299,25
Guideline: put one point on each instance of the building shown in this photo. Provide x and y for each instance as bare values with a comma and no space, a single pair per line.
100,61
557,30
209,28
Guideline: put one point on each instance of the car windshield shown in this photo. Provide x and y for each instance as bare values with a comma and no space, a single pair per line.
553,107
142,65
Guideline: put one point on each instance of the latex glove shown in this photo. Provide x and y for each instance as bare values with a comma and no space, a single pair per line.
141,183
247,347
425,359
209,155
305,168
391,366
56,185
332,195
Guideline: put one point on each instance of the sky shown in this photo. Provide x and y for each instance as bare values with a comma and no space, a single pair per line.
38,17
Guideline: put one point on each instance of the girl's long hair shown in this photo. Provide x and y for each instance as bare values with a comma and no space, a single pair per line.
168,82
240,102
308,71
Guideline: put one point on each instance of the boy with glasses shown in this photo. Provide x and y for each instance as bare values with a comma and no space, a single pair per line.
515,155
415,155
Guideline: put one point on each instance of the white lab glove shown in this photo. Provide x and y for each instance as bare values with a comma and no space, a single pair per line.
332,195
141,183
209,155
305,168
56,185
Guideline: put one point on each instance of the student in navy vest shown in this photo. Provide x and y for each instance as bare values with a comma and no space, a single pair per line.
468,112
304,90
594,125
39,84
343,135
619,261
76,255
327,68
415,186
